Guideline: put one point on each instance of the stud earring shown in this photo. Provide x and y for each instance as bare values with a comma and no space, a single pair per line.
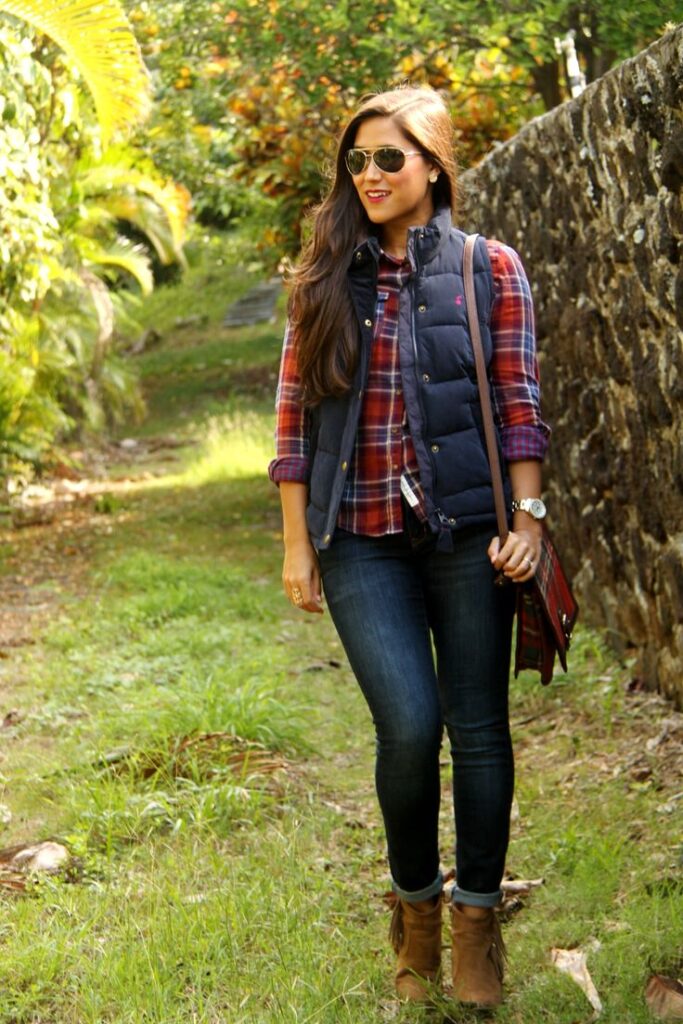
433,176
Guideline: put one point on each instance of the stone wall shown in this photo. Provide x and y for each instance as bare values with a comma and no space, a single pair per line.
590,195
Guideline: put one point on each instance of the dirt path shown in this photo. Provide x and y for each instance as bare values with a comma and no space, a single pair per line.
49,563
48,557
44,562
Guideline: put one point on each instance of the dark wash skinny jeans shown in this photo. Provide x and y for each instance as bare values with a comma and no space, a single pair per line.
388,601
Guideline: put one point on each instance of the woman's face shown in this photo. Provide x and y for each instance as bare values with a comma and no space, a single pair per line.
395,200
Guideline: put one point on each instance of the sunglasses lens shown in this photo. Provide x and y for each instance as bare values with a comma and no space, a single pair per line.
356,161
389,159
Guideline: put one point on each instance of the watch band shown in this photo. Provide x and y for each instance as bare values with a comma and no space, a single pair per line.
532,506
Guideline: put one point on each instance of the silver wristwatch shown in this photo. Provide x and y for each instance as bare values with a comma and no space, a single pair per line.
534,506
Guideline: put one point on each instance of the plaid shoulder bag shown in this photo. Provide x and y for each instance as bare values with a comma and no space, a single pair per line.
546,608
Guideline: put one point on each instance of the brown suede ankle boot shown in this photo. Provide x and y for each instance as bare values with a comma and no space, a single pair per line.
415,934
479,955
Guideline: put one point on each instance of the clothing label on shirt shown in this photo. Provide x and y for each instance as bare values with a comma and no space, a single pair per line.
408,493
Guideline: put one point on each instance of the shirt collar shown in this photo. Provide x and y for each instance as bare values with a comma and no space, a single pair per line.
425,241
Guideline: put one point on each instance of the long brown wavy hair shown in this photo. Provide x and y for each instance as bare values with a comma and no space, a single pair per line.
320,308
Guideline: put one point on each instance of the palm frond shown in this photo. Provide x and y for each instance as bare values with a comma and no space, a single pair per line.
145,215
121,255
97,37
109,178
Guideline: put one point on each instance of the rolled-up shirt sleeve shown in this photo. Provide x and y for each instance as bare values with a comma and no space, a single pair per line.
515,387
291,420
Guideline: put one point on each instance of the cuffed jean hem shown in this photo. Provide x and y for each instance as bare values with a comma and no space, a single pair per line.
422,894
476,899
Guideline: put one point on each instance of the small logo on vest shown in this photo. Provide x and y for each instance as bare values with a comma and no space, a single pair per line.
458,300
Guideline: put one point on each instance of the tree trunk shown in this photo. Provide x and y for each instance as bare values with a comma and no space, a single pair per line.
546,79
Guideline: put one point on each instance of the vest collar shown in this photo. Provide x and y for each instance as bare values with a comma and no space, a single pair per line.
424,241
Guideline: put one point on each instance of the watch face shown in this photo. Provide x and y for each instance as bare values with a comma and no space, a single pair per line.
537,508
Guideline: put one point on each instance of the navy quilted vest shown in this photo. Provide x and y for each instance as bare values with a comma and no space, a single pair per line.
439,385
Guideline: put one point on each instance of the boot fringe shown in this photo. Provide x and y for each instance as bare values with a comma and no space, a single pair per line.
396,931
498,953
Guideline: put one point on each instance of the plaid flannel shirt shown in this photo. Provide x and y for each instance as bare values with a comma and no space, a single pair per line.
384,452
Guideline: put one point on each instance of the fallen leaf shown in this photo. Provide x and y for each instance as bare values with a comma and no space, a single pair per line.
637,685
520,886
389,1010
510,906
670,806
17,863
573,963
48,857
13,882
664,997
640,773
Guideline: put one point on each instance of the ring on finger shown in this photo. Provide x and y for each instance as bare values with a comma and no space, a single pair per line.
529,562
297,596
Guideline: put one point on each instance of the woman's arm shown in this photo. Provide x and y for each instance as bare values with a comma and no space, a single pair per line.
515,386
289,470
300,570
291,419
516,401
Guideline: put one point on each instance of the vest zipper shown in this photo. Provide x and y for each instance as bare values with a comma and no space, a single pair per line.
414,329
412,312
417,361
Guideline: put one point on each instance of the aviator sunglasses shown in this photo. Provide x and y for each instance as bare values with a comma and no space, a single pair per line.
389,159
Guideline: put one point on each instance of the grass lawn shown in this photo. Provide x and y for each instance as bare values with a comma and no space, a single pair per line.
202,750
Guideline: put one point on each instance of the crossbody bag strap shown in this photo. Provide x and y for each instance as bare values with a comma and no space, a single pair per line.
484,390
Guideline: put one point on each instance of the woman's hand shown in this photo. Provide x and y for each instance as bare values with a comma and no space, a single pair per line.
300,572
301,576
518,557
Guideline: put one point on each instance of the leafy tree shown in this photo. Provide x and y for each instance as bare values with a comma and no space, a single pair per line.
189,135
251,92
63,256
96,36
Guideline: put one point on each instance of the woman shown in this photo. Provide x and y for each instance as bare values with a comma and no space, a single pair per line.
386,496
